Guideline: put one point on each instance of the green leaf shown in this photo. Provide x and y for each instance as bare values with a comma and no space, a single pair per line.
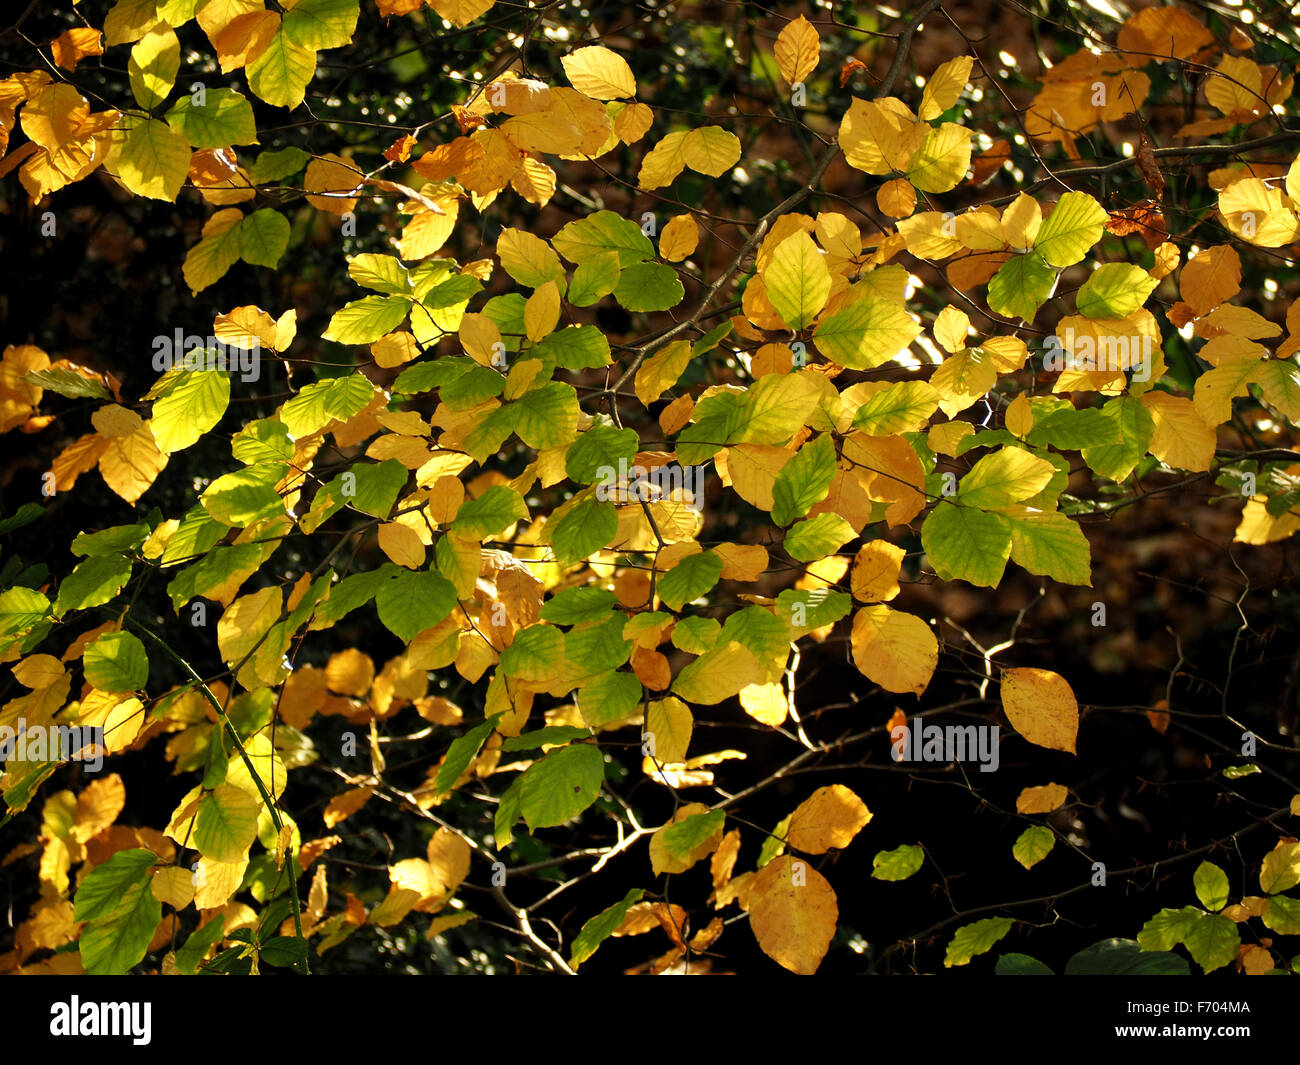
1049,544
1211,885
316,405
600,447
277,165
1034,844
561,785
414,601
1114,290
494,511
551,735
766,634
594,279
608,698
1123,957
649,287
1021,285
817,608
68,383
804,481
1211,939
92,583
321,23
583,530
151,70
115,898
581,603
263,236
1020,965
602,232
224,118
116,662
798,280
279,76
898,864
110,541
197,945
240,498
1134,428
684,836
1075,225
691,578
226,824
1283,915
547,416
973,939
866,333
461,752
967,544
1004,477
506,816
898,408
599,928
818,537
192,406
154,161
534,654
575,347
382,273
365,320
377,485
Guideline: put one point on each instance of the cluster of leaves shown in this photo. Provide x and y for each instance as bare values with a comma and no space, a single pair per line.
465,442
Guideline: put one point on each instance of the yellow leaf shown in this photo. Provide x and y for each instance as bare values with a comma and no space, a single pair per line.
951,328
797,50
710,150
460,12
542,311
944,87
679,238
401,544
793,913
1041,706
670,722
1021,222
330,182
829,817
765,703
173,885
350,672
395,349
599,73
661,371
1181,438
131,463
896,198
633,122
1041,800
663,162
1019,417
896,650
341,807
875,572
1212,277
449,856
798,280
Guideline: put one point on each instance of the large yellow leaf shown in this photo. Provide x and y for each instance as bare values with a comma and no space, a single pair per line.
944,87
1041,706
793,913
896,650
599,73
829,817
797,49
